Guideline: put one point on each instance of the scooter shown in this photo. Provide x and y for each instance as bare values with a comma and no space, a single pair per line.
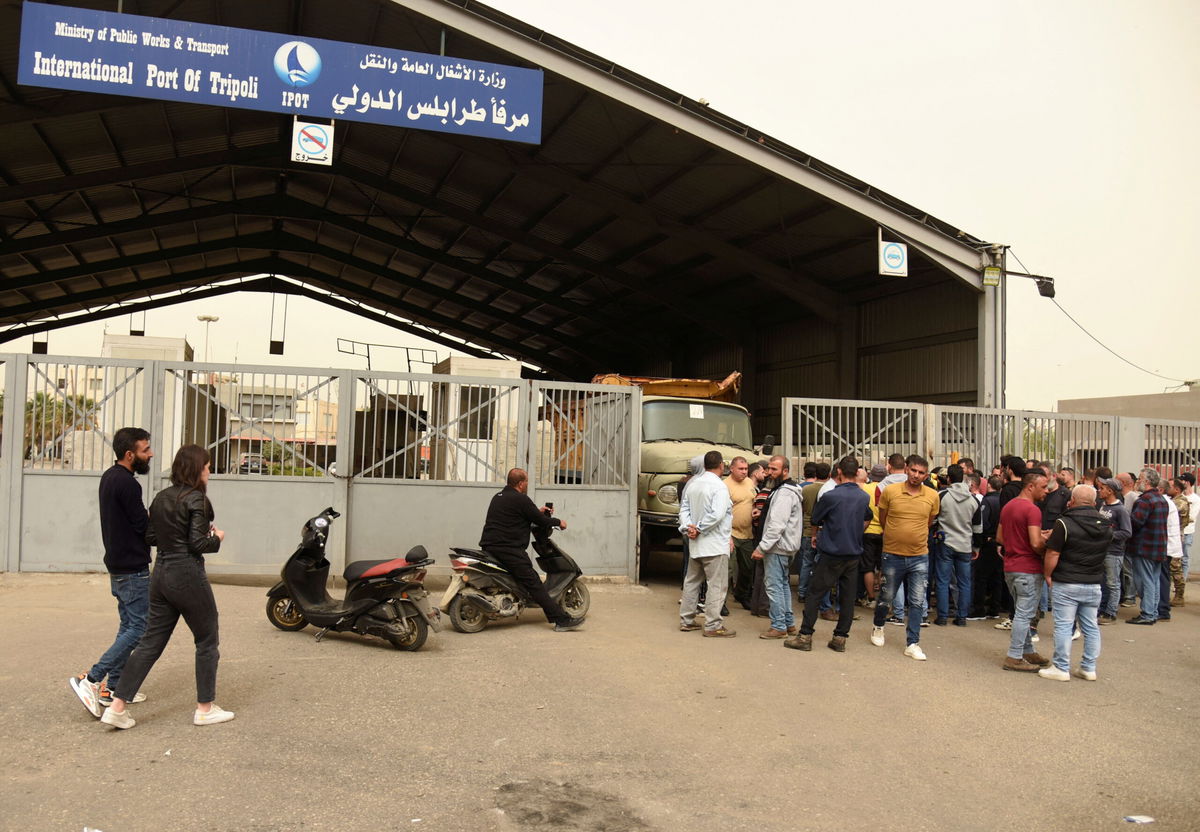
482,590
385,598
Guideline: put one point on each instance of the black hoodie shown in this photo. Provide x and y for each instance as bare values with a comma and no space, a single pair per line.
1081,537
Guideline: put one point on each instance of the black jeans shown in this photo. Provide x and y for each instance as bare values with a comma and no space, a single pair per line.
518,565
828,572
178,586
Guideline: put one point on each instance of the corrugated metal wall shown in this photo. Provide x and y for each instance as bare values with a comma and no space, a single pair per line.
917,345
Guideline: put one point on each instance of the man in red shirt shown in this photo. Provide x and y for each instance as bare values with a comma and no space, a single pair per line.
1020,533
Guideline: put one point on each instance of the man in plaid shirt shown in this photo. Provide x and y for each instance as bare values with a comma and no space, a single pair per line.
1147,547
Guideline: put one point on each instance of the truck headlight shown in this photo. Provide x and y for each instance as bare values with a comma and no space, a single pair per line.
669,494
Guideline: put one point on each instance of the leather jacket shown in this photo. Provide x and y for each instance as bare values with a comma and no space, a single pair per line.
180,521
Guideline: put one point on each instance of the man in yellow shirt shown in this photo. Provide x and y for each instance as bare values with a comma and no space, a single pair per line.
742,490
907,510
873,536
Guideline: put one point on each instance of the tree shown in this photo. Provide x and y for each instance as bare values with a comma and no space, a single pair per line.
49,416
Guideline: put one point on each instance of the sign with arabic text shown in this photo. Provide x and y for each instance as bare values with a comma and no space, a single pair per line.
171,60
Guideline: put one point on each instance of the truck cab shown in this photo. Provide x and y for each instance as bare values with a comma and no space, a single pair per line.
674,430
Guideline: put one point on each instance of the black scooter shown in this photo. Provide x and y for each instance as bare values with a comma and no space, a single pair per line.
482,590
385,598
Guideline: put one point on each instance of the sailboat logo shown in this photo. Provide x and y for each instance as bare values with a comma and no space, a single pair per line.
297,64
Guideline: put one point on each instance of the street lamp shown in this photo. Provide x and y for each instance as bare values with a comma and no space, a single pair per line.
207,320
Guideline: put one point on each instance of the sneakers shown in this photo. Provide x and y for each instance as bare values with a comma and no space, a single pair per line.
720,632
941,622
837,644
1128,602
1005,624
1054,674
897,620
914,651
687,628
1019,665
877,636
799,642
960,622
106,696
771,632
1141,619
88,693
1078,634
561,627
215,715
1034,637
1106,619
118,720
1086,675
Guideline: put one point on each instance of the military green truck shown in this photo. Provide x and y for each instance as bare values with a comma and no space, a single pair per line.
681,419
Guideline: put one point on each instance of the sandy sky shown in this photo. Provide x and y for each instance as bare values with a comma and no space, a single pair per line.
1065,129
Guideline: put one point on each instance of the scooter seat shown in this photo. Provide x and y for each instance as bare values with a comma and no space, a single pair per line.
374,568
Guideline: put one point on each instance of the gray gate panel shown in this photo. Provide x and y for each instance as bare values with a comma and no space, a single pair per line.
60,523
597,535
829,429
1171,447
389,518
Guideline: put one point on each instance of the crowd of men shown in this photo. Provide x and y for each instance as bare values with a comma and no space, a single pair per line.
901,540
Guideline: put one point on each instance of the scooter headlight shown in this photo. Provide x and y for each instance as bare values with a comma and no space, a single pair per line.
320,523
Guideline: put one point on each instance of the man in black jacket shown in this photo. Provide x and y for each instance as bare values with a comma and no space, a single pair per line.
506,538
1074,569
123,522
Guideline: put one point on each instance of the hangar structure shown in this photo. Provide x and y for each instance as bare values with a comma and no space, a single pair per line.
641,235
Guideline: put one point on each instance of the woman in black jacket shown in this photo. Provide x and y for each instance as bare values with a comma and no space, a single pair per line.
181,526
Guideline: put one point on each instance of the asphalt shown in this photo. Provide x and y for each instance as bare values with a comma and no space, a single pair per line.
625,725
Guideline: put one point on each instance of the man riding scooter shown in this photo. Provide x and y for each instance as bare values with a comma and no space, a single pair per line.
506,538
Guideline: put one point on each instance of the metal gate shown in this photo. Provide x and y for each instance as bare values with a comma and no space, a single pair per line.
406,458
984,435
829,429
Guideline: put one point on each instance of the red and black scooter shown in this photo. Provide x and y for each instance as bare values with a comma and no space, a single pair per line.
385,598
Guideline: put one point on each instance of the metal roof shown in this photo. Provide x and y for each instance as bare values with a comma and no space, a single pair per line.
642,214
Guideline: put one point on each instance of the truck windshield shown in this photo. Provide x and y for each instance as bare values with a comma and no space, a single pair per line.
713,422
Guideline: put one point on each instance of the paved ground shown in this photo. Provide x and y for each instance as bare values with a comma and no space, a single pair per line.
626,725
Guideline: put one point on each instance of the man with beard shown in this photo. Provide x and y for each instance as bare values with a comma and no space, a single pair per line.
123,521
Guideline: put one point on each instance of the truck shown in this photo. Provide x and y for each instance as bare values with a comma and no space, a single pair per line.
681,419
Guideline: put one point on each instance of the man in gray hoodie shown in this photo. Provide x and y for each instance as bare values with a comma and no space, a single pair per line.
782,531
960,520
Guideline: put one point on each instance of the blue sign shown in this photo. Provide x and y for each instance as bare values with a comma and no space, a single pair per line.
148,57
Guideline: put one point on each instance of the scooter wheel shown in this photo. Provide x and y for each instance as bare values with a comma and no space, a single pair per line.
285,614
465,616
414,637
576,600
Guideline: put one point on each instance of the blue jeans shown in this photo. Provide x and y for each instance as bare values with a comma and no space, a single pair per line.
133,606
1026,590
957,564
1110,593
1187,552
807,559
1164,590
1074,602
776,569
1147,575
913,574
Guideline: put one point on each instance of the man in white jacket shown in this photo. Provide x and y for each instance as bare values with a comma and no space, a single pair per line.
783,530
706,517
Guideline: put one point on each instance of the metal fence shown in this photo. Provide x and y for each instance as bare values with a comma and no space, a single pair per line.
1172,447
409,458
829,429
984,435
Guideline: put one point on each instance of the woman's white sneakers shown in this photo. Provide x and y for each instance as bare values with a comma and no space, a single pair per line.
215,715
117,720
